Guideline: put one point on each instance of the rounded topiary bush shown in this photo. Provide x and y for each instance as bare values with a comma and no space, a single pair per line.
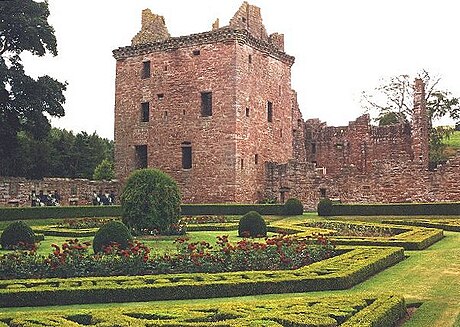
150,202
252,224
112,232
325,207
293,207
17,233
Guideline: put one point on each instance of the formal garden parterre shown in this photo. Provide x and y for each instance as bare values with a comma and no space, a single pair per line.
350,265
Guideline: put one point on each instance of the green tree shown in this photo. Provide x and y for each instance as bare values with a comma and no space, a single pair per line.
393,101
150,201
25,102
104,171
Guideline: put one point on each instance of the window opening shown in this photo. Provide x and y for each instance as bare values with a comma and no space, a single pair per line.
160,96
247,112
196,52
141,156
256,159
269,111
186,155
206,104
146,69
145,112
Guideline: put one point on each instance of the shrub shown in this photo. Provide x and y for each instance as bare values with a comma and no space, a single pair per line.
253,225
150,202
17,234
325,207
293,207
112,232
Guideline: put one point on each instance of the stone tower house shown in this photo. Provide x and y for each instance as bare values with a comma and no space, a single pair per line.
209,109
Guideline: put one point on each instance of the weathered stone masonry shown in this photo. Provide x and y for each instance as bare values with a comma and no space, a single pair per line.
244,75
217,112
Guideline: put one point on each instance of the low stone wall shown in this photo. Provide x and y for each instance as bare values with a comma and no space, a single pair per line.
16,191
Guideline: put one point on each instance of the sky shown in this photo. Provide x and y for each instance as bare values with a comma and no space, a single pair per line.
341,48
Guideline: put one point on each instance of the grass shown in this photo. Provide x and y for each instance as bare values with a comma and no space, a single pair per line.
431,276
453,140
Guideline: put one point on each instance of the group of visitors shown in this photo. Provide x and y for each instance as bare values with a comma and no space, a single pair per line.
105,199
42,199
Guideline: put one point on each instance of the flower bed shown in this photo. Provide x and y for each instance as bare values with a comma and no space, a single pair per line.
74,259
452,225
359,230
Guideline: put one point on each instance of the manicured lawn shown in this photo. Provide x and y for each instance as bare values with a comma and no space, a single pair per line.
431,276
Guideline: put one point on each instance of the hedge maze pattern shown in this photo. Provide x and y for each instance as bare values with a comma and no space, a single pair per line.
355,310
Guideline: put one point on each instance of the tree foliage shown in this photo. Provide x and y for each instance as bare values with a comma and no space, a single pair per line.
25,102
60,154
151,202
395,95
393,101
104,171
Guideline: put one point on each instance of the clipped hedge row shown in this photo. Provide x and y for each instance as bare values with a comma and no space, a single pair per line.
351,267
355,310
452,225
231,209
64,232
410,238
397,209
24,213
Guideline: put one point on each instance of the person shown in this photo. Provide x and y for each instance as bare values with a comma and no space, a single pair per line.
42,199
100,197
112,197
105,198
33,198
56,197
95,198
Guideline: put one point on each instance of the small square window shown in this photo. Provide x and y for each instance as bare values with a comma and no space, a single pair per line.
196,52
160,96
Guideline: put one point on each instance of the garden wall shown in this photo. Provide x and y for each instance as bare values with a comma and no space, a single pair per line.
15,191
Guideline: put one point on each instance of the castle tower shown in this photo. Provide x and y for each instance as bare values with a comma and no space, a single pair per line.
209,109
420,125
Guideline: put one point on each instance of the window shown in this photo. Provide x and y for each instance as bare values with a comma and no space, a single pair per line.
281,133
160,96
313,148
146,69
250,58
145,112
165,115
269,111
140,156
256,159
241,164
206,104
196,52
322,192
243,19
247,112
186,155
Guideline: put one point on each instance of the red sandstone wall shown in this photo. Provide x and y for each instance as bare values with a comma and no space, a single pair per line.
15,191
181,76
261,79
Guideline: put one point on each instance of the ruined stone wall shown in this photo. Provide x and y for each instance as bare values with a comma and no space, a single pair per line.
15,191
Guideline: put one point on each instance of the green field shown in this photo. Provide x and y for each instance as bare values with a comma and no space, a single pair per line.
453,140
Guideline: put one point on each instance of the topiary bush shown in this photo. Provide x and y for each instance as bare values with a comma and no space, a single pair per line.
150,202
112,232
17,234
325,207
293,207
252,225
